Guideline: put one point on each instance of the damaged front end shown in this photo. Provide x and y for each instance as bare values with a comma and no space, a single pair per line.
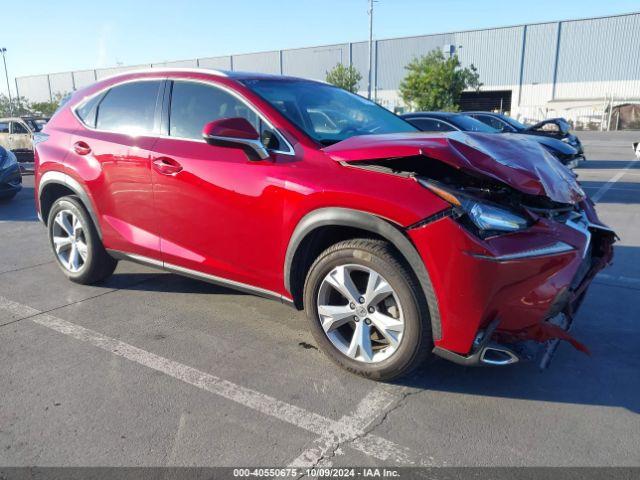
512,257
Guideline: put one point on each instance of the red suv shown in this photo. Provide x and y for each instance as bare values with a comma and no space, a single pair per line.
397,243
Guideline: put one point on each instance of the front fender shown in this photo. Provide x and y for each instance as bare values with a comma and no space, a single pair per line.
336,216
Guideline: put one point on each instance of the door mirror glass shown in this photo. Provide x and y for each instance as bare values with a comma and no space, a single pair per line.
235,132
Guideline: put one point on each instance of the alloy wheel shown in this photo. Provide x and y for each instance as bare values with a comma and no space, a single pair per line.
69,241
360,313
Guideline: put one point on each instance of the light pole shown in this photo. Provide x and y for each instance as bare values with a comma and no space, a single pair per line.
6,74
370,12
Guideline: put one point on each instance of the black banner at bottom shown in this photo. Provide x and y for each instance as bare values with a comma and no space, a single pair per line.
212,473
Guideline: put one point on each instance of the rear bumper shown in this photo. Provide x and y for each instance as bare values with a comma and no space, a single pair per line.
508,286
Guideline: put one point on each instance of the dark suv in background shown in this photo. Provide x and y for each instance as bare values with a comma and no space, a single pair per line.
557,128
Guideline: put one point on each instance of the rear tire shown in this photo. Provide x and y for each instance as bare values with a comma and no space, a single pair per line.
75,243
380,330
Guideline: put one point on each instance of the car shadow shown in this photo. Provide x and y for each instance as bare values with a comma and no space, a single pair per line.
20,208
165,282
606,323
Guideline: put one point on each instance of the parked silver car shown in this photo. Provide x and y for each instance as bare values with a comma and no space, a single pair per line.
16,135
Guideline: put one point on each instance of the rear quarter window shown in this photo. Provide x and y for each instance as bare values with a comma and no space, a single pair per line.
128,108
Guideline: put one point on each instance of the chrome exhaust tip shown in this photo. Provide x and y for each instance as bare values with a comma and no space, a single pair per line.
497,355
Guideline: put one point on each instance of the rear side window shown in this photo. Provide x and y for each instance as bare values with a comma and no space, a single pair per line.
193,105
129,108
4,127
431,125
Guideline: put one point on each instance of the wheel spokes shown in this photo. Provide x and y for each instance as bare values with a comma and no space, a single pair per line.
82,250
340,279
361,343
69,241
62,219
334,316
390,328
377,289
61,243
74,258
360,313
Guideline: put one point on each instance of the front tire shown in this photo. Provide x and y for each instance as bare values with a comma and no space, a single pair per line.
366,309
75,243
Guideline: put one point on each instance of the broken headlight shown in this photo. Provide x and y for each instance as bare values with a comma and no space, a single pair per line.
485,216
490,217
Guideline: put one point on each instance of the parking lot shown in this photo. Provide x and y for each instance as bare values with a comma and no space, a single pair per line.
153,369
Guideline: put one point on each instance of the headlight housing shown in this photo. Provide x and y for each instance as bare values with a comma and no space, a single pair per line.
488,218
491,218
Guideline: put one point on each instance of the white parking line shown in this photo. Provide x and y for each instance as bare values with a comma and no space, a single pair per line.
351,430
603,189
371,407
630,281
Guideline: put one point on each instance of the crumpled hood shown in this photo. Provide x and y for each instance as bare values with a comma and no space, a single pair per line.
510,158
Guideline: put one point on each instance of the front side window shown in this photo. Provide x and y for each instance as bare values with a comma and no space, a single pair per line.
494,122
470,124
326,113
129,108
515,124
193,105
18,128
4,127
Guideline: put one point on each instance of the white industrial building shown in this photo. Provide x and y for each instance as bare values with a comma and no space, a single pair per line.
578,69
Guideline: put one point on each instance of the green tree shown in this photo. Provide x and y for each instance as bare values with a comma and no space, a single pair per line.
46,109
347,78
20,106
435,82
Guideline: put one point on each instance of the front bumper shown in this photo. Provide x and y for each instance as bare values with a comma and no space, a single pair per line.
504,290
10,180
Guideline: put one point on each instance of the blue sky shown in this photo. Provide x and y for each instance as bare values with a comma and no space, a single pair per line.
69,35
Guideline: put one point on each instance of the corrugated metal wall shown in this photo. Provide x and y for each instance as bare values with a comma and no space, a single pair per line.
314,62
545,62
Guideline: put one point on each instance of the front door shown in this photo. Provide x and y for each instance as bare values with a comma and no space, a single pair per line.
219,212
20,137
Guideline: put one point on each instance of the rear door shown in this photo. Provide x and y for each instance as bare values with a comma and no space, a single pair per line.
112,154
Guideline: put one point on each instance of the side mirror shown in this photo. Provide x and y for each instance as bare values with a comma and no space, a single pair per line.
235,132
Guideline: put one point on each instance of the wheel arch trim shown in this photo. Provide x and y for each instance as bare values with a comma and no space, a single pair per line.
59,178
336,217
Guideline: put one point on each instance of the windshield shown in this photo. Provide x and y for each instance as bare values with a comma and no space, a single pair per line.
326,113
514,123
468,124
